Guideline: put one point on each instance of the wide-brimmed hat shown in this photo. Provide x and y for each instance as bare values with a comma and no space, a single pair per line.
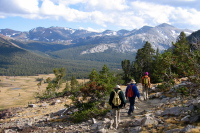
117,86
133,81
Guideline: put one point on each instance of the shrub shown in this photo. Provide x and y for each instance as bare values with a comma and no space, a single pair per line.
87,113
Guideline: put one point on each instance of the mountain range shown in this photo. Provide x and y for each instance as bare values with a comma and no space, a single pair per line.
122,41
75,45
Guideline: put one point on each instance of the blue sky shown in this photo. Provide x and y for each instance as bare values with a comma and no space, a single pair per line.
98,15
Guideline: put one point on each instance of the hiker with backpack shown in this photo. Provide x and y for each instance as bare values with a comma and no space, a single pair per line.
145,80
117,101
131,93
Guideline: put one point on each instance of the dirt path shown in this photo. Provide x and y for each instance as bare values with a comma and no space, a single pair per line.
141,107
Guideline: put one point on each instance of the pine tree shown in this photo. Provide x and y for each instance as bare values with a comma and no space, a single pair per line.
126,67
74,84
183,64
143,61
59,73
94,76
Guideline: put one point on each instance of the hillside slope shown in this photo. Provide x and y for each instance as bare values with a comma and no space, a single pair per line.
18,61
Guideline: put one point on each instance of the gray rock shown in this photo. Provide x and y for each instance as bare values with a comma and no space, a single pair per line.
186,118
165,100
149,121
106,120
102,130
153,88
175,111
188,128
162,96
173,131
9,131
97,126
172,99
137,122
189,108
158,113
94,126
135,129
194,119
44,104
158,94
196,101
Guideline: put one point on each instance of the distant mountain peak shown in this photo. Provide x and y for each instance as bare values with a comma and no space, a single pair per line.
165,25
160,36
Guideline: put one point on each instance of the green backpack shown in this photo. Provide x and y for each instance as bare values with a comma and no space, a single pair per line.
146,81
116,99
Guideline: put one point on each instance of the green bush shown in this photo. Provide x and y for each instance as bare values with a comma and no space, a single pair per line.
164,87
184,91
87,114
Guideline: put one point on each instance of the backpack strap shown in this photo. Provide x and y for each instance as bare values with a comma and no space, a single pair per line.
132,86
118,91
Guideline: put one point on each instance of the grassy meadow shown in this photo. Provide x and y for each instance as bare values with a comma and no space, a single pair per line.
16,91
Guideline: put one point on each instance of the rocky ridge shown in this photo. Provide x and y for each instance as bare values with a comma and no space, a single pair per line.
161,113
121,41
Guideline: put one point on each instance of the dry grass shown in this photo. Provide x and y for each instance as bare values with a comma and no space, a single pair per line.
18,91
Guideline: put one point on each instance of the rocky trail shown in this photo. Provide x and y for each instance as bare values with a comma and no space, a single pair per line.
160,114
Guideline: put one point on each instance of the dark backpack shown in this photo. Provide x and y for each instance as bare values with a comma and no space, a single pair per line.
130,92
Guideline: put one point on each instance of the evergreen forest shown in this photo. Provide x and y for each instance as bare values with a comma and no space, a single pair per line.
32,58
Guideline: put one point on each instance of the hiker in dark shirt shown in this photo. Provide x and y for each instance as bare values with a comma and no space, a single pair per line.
132,97
116,109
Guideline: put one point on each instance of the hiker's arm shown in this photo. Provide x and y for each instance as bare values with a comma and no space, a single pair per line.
126,92
149,82
137,93
122,98
111,98
141,81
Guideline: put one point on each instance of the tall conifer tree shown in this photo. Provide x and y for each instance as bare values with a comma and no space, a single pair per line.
143,61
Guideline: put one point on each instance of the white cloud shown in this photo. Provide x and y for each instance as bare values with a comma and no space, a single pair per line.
125,14
107,4
19,6
71,2
2,16
187,17
96,4
152,13
49,8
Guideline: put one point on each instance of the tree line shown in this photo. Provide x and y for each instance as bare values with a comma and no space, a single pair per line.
178,61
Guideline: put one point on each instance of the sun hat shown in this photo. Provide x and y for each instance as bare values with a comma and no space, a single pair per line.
133,81
117,86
